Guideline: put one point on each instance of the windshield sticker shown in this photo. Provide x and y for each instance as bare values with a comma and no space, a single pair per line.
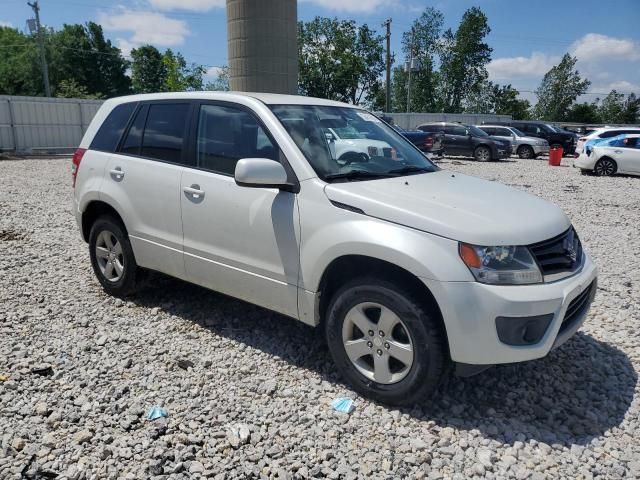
367,117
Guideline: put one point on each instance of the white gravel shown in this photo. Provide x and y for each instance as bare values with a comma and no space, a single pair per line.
84,369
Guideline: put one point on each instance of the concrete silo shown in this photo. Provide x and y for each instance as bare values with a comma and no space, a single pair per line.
262,44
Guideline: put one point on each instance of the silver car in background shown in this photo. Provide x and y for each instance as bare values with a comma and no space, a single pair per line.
523,146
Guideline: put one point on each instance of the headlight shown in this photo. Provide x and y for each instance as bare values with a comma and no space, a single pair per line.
506,265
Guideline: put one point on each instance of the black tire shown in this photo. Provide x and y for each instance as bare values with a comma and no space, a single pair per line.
126,284
482,154
586,172
525,151
430,354
605,167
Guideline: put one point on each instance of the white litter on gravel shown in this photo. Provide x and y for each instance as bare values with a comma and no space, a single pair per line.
84,369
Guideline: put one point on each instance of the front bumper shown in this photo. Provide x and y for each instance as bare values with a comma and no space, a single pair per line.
470,310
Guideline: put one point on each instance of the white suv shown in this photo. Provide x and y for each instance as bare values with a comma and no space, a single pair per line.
405,266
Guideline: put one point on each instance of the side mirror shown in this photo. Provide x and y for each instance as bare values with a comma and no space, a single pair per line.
262,173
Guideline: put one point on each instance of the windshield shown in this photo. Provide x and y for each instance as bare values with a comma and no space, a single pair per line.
553,128
476,132
517,132
370,150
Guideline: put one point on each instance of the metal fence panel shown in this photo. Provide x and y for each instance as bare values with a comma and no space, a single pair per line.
41,125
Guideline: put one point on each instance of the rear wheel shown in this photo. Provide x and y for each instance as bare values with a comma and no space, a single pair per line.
482,154
605,167
112,257
385,343
525,151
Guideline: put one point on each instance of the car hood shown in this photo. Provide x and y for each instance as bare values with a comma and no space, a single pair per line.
455,206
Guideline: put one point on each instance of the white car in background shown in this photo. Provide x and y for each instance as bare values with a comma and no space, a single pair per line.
604,132
348,144
621,154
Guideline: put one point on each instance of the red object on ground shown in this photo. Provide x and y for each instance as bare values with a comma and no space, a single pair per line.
555,156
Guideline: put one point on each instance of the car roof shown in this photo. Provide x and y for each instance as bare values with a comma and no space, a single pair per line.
267,98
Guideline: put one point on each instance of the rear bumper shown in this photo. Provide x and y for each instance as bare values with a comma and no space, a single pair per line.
470,311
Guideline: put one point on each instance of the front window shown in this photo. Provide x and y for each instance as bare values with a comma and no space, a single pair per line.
476,132
348,144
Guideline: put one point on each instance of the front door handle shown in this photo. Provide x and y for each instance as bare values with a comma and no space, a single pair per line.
617,151
194,191
117,173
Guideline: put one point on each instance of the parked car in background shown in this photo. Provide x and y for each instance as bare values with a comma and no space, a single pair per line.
404,266
523,146
469,141
604,132
555,136
347,144
428,142
619,154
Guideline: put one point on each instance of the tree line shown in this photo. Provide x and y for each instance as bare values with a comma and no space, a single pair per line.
338,59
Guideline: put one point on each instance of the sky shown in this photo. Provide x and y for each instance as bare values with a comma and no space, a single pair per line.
528,37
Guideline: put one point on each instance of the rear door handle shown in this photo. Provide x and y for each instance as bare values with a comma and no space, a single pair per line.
194,191
117,173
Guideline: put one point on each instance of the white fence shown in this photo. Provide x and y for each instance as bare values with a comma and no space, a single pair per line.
412,120
43,125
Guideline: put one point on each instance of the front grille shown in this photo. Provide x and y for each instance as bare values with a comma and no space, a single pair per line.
561,254
578,306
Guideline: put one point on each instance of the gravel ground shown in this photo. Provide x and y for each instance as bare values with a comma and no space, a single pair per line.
248,392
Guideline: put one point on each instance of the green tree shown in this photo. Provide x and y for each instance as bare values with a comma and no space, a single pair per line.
497,99
559,89
631,109
148,70
19,64
338,60
81,53
426,34
463,60
584,113
611,107
72,89
221,81
180,76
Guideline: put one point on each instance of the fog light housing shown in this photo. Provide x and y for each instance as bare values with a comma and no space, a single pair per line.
519,331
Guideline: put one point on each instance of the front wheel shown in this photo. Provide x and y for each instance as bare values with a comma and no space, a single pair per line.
112,257
385,343
525,151
482,154
605,167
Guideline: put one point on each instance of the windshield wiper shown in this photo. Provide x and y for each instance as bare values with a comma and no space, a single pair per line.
357,175
410,169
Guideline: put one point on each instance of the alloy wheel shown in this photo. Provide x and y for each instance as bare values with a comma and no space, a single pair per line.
377,343
109,256
605,167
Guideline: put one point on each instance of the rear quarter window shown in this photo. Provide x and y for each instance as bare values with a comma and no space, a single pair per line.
109,133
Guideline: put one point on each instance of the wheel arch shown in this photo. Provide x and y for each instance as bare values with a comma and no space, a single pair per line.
94,210
348,267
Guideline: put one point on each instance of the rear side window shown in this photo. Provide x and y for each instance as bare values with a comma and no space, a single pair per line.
455,130
131,144
110,131
615,133
488,130
164,131
227,134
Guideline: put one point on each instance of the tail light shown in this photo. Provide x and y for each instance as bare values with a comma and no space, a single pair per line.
75,164
428,142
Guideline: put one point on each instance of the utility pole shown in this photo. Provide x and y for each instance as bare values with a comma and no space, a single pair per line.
410,68
43,58
387,24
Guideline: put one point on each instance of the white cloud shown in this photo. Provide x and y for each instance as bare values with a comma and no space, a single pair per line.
5,24
507,68
353,6
623,86
594,46
145,27
193,5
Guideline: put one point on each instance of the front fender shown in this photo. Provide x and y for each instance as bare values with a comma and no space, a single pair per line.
424,255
